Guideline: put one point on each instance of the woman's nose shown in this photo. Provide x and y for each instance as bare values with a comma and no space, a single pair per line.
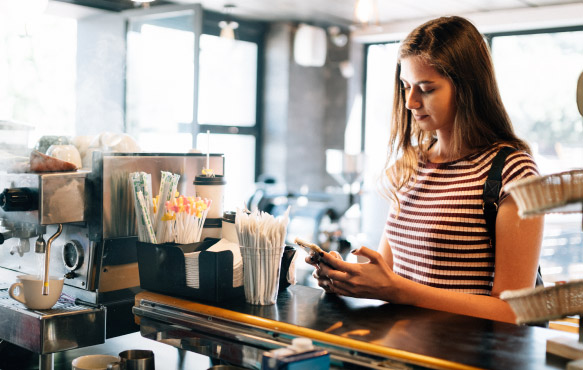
412,100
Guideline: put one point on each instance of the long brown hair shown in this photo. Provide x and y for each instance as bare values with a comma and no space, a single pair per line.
457,50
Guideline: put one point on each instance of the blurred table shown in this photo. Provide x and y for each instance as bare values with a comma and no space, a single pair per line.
358,333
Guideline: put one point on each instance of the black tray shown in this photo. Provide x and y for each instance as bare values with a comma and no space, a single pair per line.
161,268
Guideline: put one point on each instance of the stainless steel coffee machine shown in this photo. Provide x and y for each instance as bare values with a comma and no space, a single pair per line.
80,225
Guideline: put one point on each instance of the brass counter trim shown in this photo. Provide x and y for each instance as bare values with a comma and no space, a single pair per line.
286,328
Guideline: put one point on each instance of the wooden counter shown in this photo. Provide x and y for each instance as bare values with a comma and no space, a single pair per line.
356,331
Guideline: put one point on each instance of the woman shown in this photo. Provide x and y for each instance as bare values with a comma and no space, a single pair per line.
448,124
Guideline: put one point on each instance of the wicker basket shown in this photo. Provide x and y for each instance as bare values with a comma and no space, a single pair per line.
545,303
535,195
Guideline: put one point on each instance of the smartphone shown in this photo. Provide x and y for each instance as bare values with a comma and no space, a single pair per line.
313,250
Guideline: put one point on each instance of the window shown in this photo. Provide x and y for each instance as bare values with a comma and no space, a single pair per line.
183,80
37,88
381,61
228,82
537,74
229,88
160,78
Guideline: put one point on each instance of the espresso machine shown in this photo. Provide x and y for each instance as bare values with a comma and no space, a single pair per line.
80,225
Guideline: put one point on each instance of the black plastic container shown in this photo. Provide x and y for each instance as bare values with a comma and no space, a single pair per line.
161,268
286,259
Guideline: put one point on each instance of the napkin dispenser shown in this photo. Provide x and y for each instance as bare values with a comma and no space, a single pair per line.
162,270
300,355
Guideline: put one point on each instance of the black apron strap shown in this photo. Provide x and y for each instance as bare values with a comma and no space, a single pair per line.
491,195
492,188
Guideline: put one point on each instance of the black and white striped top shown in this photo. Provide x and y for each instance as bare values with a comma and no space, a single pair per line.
439,237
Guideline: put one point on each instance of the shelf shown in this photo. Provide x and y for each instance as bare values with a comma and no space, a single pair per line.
575,206
555,193
565,347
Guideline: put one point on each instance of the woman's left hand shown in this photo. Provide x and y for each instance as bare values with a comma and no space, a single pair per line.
323,281
372,279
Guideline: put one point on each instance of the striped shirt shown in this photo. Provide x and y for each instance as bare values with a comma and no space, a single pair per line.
439,237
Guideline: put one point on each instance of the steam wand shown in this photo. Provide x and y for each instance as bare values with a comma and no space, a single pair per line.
48,258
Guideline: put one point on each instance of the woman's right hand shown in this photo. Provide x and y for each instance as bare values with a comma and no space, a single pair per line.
323,281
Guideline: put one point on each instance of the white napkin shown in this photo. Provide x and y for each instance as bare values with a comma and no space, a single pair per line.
262,240
192,267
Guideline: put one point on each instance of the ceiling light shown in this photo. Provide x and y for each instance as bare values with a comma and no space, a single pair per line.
228,29
346,68
228,26
366,12
144,3
337,37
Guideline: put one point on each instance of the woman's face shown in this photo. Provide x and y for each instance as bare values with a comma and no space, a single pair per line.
428,95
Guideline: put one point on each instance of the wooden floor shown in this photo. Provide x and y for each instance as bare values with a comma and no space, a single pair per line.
166,357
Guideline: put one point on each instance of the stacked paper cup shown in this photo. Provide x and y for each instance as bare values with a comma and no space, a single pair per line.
262,241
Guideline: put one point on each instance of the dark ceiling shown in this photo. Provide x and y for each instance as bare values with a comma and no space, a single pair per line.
113,5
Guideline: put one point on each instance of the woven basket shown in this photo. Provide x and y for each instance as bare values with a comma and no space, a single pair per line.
534,195
545,303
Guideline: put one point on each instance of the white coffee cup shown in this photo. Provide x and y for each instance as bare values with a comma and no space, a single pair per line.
67,153
30,292
94,362
212,188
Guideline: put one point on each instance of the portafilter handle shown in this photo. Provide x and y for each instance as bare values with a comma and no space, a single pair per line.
19,199
48,258
6,235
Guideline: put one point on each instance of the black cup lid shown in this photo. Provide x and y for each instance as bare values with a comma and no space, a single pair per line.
229,216
205,180
213,223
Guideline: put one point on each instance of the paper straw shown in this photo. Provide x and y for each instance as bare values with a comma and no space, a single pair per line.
168,185
147,189
137,186
146,217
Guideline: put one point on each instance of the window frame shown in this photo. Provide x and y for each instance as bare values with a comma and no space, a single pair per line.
160,12
490,35
207,22
251,31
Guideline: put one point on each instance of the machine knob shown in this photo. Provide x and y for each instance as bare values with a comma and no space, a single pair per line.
19,199
73,255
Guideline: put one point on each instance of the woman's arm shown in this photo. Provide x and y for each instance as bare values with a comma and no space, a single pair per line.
518,247
385,250
517,253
